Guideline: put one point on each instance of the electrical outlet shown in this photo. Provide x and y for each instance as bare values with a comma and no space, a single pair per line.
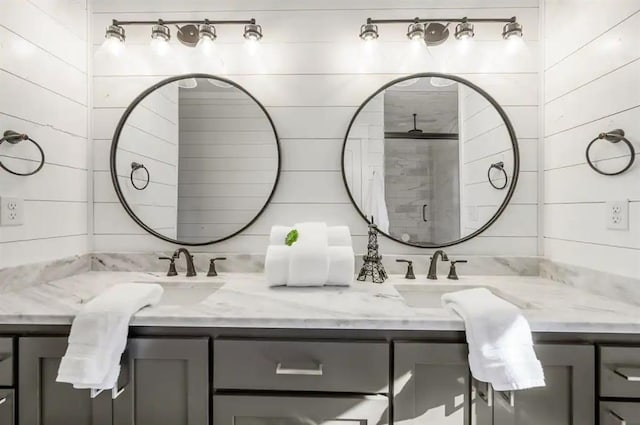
11,211
617,215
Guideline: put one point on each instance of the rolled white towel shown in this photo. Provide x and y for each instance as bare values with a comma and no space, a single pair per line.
342,266
339,236
278,234
309,261
276,264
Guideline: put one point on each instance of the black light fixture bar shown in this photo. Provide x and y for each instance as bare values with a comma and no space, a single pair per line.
430,20
194,22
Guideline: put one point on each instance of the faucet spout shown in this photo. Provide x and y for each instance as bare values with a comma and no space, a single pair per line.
191,269
433,266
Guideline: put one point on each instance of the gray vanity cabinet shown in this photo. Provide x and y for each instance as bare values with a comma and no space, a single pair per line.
42,400
431,384
165,381
299,410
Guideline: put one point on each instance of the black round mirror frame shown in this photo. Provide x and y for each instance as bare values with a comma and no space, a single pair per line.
114,148
514,144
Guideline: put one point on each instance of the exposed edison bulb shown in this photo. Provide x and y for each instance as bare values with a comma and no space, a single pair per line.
113,46
159,46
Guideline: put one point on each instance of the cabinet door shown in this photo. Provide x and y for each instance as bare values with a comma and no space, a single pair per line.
286,410
7,407
431,384
43,401
168,383
567,399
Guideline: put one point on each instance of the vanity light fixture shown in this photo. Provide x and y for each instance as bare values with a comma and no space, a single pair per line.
464,31
420,28
190,32
415,31
369,31
252,32
512,29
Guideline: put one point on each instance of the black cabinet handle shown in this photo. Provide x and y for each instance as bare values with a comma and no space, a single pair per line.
424,213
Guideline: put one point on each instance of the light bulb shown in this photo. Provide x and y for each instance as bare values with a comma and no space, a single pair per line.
159,46
206,46
113,46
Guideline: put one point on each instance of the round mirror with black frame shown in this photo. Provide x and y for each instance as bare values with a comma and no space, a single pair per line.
195,159
432,159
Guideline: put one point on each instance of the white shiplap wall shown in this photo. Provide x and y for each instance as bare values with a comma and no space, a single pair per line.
592,84
43,92
311,82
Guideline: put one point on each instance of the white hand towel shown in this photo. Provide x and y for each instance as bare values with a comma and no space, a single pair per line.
342,266
376,204
309,261
499,338
339,236
278,234
99,335
276,264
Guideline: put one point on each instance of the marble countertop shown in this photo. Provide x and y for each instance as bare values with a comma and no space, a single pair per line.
245,300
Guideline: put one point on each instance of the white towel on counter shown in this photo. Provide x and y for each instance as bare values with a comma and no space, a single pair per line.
309,258
276,264
337,235
342,266
499,338
99,335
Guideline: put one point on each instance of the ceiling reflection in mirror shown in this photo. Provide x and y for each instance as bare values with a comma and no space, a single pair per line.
196,159
431,159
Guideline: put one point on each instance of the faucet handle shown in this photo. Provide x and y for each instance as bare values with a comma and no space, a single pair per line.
409,274
452,270
172,265
212,266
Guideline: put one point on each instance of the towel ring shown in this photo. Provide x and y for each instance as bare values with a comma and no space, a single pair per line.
137,166
613,136
498,166
14,138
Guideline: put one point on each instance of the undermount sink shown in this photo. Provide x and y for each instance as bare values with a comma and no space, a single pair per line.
184,292
428,295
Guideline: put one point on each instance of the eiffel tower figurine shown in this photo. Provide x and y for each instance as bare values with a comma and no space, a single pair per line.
372,261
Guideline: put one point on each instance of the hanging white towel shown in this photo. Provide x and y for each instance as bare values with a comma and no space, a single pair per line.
499,338
99,335
375,203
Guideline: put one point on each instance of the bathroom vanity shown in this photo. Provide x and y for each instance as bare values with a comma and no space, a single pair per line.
241,352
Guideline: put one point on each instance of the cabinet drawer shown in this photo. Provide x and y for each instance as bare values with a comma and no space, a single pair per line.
7,407
270,410
6,362
361,367
620,371
619,413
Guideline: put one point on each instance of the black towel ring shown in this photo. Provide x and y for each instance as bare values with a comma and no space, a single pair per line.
614,136
14,138
137,166
498,166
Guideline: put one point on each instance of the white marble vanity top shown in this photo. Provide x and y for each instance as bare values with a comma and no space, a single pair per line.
245,300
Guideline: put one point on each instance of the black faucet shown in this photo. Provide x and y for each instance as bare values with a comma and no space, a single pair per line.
191,269
433,275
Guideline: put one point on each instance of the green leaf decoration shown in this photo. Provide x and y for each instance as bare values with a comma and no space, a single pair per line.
291,238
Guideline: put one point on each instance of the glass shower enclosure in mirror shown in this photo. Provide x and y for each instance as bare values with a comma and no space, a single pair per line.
195,159
432,159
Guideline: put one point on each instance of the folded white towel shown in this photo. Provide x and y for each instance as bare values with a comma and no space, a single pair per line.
309,258
276,264
499,337
99,335
337,235
342,267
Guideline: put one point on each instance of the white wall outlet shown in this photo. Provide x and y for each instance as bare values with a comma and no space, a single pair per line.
11,211
617,215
